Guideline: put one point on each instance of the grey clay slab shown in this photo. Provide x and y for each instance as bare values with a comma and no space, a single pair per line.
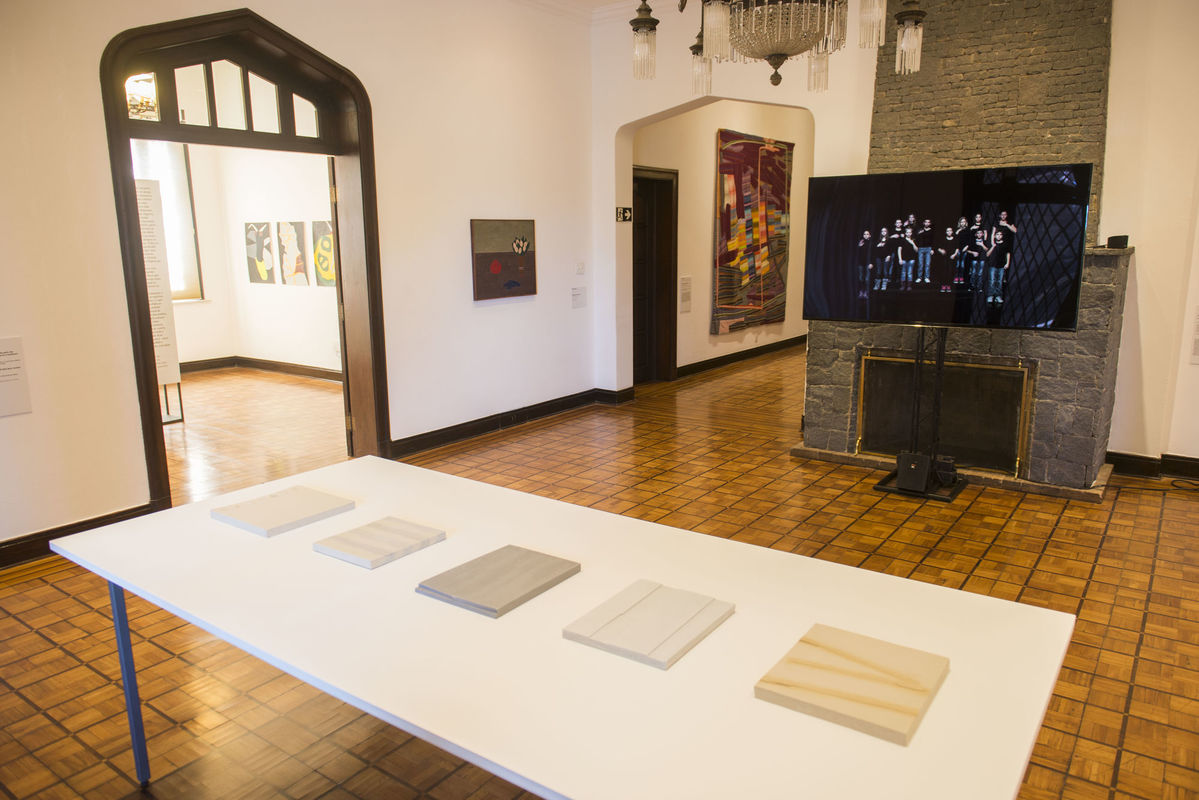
498,582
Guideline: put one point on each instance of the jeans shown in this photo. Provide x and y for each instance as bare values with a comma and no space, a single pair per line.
924,258
905,274
976,273
960,275
995,284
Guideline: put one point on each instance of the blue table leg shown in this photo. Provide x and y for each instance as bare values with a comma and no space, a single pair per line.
133,703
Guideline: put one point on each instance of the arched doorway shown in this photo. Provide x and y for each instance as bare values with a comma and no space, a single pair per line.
319,107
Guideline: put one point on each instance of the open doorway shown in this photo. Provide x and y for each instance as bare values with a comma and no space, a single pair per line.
655,267
236,80
248,345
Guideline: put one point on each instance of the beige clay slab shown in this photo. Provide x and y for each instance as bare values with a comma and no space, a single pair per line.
380,542
282,511
870,685
496,583
650,623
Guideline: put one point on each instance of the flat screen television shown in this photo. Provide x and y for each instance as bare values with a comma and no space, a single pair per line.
998,248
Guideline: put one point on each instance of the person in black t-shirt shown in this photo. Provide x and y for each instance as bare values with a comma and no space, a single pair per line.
945,256
924,251
1009,229
882,261
978,259
865,263
963,238
905,253
895,270
1000,257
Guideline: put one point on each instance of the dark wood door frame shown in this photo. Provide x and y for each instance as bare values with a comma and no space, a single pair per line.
664,334
345,133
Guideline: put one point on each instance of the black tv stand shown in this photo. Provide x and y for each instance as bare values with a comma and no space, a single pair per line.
925,474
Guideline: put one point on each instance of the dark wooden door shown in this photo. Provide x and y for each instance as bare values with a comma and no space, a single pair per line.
655,242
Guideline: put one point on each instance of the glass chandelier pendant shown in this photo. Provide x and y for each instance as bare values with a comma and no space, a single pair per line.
817,72
776,30
909,39
872,24
701,68
716,30
645,36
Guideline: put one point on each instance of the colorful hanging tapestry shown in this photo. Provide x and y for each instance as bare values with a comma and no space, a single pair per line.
753,227
293,253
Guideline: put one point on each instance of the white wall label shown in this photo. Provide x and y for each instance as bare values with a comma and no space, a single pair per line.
684,294
1195,344
624,214
158,281
578,297
14,379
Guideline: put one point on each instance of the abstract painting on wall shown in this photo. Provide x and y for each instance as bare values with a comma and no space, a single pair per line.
753,226
504,256
323,258
293,253
260,257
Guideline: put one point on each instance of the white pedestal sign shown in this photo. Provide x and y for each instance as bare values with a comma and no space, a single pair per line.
158,281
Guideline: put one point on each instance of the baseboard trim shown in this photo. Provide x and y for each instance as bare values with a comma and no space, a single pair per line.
1129,464
37,545
1147,466
733,358
477,427
261,363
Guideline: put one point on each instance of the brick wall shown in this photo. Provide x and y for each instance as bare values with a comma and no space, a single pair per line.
1002,83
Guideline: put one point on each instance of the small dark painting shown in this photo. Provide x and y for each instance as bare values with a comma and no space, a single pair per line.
504,258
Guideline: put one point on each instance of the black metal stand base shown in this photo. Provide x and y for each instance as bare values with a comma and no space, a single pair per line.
934,490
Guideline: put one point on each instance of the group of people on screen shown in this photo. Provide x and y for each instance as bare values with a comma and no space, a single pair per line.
970,257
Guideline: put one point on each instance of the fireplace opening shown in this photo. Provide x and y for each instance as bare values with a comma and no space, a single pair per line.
984,411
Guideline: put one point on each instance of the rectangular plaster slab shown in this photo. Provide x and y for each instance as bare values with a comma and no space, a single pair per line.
498,582
872,686
380,542
282,511
650,623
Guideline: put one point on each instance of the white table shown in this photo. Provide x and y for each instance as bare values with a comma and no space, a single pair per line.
568,721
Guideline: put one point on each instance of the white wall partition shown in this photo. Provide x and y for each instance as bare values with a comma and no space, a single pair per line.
687,143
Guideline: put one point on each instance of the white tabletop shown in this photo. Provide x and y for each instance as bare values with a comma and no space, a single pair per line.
568,721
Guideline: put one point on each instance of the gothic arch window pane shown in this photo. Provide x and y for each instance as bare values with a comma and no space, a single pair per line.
305,117
141,96
264,105
230,103
192,92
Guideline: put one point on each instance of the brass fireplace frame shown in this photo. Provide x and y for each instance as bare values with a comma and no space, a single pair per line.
1022,366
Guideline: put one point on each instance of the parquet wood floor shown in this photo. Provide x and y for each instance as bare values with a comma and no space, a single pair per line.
708,453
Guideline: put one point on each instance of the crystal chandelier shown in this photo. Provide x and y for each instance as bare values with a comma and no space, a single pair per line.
777,30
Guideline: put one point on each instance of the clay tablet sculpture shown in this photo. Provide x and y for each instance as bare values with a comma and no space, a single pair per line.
380,542
283,510
650,623
873,686
498,582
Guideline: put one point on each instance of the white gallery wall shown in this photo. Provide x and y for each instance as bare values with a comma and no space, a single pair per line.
274,322
532,116
687,143
1151,193
622,105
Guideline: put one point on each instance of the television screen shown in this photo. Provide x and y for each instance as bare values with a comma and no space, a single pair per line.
1000,247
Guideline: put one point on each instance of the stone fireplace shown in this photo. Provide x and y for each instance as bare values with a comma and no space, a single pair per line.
1071,394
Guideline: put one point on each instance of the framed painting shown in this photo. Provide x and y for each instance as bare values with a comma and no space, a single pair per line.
293,253
260,258
504,256
324,259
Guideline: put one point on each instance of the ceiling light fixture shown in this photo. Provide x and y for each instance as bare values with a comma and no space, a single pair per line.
775,31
